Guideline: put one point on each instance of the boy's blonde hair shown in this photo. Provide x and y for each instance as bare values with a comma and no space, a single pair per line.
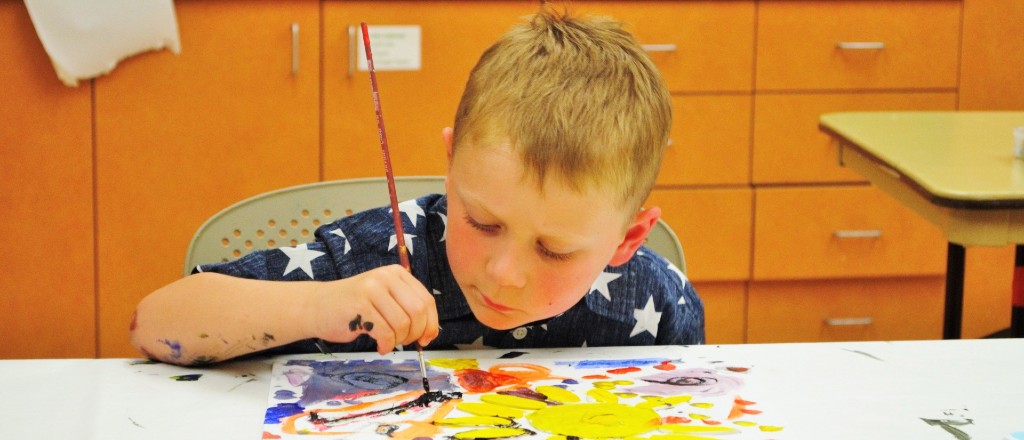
576,96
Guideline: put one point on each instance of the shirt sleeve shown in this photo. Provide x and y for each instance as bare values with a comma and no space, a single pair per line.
305,262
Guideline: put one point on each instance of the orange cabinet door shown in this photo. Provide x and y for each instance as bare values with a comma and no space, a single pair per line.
178,138
993,56
714,227
789,148
725,311
855,45
416,104
841,232
699,46
845,310
46,187
710,141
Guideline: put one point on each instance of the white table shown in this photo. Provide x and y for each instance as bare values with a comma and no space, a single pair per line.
852,390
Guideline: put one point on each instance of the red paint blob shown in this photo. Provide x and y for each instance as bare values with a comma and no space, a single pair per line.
624,370
595,376
666,366
479,381
676,420
737,369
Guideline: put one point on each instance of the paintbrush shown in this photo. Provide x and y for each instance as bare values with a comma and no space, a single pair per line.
396,216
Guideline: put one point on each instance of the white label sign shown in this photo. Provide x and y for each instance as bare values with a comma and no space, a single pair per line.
394,48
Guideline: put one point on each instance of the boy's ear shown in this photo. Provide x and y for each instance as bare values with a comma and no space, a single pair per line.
447,135
636,234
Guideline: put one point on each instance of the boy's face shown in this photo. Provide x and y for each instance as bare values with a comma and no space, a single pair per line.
521,253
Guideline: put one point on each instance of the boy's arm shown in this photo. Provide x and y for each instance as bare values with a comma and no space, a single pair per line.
209,317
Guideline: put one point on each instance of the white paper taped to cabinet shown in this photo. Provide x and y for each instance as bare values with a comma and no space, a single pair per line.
86,39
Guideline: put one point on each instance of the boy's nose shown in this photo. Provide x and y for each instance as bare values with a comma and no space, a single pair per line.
506,269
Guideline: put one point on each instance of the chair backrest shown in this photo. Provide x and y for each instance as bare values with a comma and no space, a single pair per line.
289,216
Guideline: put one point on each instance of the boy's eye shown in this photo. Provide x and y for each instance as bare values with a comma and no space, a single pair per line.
555,256
480,226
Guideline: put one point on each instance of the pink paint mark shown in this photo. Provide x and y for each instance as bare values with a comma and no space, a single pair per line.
675,420
666,366
624,370
596,376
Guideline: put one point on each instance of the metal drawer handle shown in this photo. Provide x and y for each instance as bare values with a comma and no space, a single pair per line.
860,45
295,48
857,233
847,322
668,47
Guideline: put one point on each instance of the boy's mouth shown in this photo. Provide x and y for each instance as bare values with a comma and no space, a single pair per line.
494,305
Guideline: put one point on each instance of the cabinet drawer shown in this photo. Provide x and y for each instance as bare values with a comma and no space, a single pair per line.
698,46
841,232
710,141
848,310
725,308
789,148
713,226
800,45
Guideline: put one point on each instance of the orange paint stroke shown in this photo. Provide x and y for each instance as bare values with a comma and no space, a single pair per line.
624,370
595,376
502,376
711,422
420,429
739,408
675,420
267,435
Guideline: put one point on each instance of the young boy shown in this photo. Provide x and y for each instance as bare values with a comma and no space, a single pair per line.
557,142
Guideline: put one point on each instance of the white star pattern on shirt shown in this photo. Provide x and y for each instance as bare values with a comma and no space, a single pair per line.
412,210
341,234
444,219
436,292
300,257
601,284
647,319
682,278
394,241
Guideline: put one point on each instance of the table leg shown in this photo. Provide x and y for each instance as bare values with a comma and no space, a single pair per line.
954,291
1017,316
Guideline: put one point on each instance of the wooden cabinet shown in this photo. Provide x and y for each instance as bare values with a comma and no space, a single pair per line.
180,137
856,45
111,179
416,104
845,310
46,192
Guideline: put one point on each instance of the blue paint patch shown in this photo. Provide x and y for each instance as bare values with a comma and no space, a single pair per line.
333,403
570,381
174,346
1019,435
613,363
187,377
284,394
282,410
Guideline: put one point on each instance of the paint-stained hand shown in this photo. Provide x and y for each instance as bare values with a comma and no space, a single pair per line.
387,303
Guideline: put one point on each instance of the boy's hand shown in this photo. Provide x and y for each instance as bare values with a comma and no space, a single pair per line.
387,303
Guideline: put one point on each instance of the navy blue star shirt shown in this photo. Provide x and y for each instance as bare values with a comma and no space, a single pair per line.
647,301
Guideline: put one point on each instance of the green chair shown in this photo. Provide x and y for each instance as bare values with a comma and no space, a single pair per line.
289,216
